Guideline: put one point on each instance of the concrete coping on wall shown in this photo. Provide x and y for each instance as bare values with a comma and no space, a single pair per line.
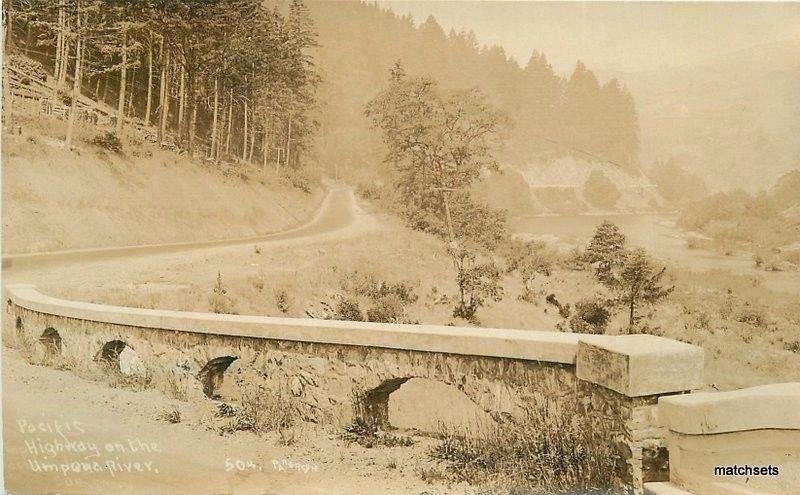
774,406
633,365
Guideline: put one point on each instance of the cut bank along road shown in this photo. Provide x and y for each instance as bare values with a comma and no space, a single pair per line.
337,211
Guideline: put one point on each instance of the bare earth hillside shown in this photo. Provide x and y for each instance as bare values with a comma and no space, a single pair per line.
54,199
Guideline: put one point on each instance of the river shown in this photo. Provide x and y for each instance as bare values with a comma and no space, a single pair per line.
659,234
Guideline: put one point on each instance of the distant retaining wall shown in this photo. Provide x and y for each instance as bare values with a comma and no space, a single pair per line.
614,380
755,428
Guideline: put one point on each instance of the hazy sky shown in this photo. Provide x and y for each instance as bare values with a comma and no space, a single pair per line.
618,36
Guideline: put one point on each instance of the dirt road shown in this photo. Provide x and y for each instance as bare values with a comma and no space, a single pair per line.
336,212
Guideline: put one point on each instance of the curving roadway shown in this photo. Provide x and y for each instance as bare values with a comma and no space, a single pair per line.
337,211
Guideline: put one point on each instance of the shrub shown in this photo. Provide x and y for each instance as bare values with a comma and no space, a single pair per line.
600,191
367,435
387,300
348,309
590,316
299,180
169,415
563,310
477,282
367,285
219,300
261,408
551,446
370,191
529,258
387,309
751,316
109,141
282,301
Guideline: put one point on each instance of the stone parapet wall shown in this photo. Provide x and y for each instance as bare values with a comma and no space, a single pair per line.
325,365
757,427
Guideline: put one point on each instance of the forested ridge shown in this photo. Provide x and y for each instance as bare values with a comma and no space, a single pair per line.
551,114
269,81
234,78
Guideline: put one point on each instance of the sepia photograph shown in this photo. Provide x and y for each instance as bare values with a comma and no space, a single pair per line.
396,247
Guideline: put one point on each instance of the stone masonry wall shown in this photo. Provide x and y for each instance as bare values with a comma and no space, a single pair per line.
325,378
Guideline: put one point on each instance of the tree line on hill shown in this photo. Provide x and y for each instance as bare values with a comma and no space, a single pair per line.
552,115
235,77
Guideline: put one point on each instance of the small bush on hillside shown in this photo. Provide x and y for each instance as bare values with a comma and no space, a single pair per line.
169,415
591,316
386,301
563,310
219,300
529,259
575,260
751,316
793,346
348,309
386,310
109,141
299,180
282,301
367,285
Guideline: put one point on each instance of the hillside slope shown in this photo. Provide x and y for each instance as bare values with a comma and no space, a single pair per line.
55,199
732,120
559,186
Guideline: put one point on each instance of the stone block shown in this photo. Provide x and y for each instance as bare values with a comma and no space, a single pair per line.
640,365
664,488
775,406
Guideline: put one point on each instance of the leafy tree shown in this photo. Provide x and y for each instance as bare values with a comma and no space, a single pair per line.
606,249
637,282
600,191
439,142
477,283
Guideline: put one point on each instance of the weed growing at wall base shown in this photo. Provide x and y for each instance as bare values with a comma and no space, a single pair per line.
548,445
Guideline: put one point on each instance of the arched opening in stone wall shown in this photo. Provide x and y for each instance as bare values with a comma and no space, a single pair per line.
51,341
108,355
422,404
213,373
118,356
